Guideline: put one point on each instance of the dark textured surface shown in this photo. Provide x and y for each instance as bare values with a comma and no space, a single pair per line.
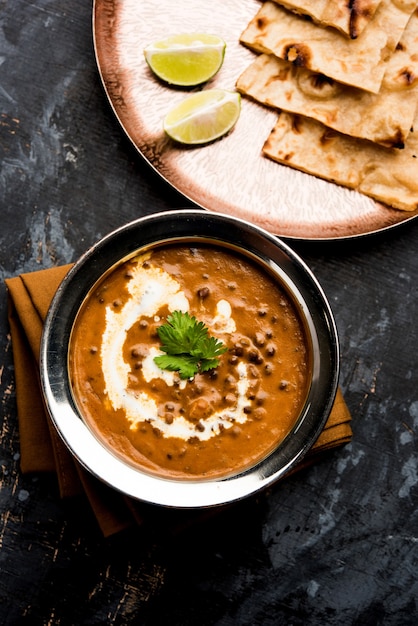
335,544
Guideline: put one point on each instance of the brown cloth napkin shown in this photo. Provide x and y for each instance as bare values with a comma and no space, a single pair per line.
29,297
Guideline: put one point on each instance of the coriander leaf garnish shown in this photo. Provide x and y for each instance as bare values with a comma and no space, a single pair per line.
189,348
186,365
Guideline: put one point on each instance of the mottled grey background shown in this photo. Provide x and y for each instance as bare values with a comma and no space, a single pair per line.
336,544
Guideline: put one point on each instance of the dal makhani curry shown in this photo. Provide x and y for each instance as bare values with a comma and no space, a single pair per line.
218,421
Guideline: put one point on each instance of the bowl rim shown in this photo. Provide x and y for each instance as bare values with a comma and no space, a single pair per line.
168,227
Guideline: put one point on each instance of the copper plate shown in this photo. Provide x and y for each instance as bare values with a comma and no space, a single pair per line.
230,175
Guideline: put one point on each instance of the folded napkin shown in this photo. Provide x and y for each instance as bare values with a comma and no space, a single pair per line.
42,450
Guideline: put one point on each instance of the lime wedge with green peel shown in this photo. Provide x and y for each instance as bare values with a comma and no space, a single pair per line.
203,117
187,59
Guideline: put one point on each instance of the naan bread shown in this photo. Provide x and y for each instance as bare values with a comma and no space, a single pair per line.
360,62
385,118
389,176
350,18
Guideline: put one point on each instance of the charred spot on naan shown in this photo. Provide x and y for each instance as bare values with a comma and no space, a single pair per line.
359,10
398,142
262,23
298,54
407,76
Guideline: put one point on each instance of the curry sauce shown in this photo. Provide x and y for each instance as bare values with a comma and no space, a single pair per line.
220,421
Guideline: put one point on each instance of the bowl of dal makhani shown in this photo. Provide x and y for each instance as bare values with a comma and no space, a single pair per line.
189,359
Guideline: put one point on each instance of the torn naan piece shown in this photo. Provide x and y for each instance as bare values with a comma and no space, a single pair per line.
387,175
384,118
360,62
351,18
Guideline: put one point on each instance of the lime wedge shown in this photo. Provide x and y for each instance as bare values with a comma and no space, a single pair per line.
203,116
187,59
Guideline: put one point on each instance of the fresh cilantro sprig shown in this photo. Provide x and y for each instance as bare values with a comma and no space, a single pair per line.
189,348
